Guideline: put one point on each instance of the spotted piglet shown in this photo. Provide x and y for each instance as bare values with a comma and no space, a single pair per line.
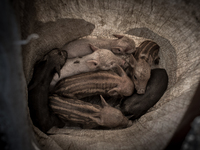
100,59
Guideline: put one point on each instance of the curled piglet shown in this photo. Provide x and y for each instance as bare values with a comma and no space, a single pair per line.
121,45
114,83
38,89
140,64
88,115
100,59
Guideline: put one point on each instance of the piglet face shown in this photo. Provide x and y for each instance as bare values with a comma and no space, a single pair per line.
123,45
104,59
111,117
56,58
109,60
140,74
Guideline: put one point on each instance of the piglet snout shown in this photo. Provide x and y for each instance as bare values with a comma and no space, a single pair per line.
141,91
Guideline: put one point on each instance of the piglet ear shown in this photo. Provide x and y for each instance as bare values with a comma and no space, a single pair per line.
150,60
132,61
45,58
57,68
95,119
103,102
113,92
117,69
92,64
118,36
93,48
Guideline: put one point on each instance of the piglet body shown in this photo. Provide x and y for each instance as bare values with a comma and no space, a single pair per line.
137,104
140,69
38,90
88,115
100,59
80,47
108,83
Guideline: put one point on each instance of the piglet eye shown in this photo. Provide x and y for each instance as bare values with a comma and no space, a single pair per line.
59,53
135,77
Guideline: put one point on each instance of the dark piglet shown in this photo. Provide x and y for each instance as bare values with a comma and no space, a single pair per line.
38,89
137,105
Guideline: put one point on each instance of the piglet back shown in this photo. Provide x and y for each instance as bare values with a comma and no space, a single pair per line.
148,50
74,111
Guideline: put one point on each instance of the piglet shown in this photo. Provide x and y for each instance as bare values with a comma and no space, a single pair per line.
100,59
137,105
38,89
80,47
148,50
140,64
114,82
88,115
140,72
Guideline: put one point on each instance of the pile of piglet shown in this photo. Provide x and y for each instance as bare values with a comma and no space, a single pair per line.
96,83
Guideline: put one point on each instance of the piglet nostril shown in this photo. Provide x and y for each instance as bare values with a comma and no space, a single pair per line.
141,91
